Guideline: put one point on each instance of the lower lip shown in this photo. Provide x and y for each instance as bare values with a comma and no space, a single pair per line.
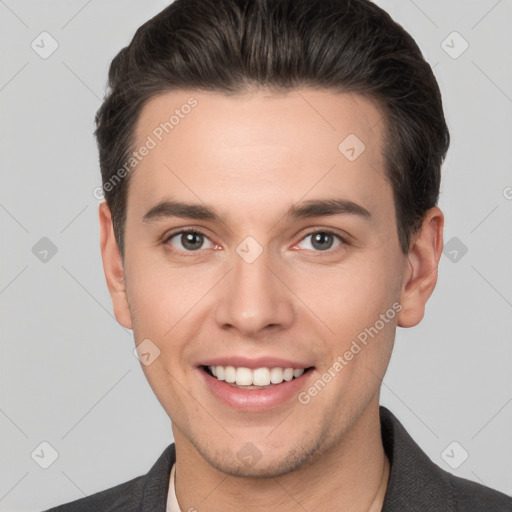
253,400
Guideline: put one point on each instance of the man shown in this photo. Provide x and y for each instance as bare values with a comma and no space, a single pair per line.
298,143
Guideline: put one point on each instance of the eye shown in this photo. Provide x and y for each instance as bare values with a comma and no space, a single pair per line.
322,241
188,241
193,241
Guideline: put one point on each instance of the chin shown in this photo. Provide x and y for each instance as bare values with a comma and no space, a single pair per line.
264,460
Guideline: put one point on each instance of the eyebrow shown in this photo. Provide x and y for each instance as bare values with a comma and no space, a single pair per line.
303,210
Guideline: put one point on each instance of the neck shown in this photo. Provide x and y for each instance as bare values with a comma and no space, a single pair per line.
351,475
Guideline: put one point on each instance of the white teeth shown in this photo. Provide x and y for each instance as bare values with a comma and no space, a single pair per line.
219,372
276,375
230,374
243,376
288,374
259,377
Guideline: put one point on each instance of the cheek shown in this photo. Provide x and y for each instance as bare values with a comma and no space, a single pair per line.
160,297
349,297
350,301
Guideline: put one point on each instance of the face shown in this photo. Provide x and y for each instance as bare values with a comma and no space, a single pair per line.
290,259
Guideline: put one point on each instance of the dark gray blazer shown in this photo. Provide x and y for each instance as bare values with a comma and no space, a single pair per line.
415,484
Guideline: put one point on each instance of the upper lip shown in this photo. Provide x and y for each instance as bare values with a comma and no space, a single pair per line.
253,363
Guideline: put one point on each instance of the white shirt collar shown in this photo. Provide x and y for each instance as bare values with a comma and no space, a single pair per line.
172,500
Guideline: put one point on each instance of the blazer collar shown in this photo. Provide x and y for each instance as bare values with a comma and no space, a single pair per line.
414,480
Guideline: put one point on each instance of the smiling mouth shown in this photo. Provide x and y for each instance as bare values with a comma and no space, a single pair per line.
259,378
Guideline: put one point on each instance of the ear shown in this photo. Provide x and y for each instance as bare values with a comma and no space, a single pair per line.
420,276
113,267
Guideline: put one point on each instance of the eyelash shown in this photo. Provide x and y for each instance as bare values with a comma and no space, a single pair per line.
329,252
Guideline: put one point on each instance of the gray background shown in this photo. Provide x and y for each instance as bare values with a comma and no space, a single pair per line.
68,374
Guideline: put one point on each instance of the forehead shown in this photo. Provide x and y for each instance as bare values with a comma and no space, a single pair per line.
259,146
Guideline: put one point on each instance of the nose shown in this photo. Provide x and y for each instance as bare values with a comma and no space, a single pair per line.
253,300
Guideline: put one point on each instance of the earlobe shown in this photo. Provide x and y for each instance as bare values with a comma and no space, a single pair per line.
113,267
420,276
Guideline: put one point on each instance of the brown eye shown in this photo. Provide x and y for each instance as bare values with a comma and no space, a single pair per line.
322,241
187,241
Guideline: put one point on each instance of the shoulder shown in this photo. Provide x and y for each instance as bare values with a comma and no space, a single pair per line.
148,492
474,497
417,484
125,496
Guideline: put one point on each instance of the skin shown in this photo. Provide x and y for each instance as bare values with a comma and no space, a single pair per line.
252,156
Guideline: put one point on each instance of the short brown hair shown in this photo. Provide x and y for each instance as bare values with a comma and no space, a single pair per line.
230,45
